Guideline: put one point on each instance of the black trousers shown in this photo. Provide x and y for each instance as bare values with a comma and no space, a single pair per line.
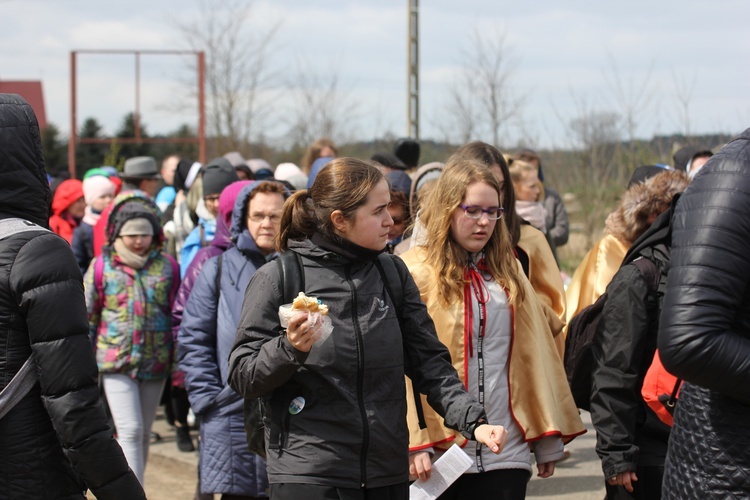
507,484
289,491
648,486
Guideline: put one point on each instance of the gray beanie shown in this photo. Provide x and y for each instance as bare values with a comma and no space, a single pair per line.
217,175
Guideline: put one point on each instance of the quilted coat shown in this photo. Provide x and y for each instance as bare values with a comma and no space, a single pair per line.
207,332
704,334
55,442
130,311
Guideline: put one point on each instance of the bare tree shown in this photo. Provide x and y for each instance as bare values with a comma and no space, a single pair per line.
596,176
237,68
319,107
634,99
683,94
481,100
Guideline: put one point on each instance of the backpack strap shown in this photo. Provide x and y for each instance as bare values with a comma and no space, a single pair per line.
99,280
217,280
25,378
14,225
650,272
18,387
395,289
175,278
392,280
292,275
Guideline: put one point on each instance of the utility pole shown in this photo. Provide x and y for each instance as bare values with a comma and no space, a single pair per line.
412,113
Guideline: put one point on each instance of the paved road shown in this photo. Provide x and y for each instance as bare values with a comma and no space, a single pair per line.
171,474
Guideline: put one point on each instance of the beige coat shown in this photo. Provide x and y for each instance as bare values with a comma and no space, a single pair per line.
540,398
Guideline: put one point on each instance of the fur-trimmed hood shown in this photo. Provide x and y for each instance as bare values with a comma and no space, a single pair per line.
642,203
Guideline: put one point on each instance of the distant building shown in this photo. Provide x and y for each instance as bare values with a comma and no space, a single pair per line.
32,92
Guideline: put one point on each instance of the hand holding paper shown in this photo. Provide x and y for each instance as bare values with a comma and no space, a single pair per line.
420,465
445,471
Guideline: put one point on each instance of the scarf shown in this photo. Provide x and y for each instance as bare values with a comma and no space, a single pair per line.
128,257
91,217
534,213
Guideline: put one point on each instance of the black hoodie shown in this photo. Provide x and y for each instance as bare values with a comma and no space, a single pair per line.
55,442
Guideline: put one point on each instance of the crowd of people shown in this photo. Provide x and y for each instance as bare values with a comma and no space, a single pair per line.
445,322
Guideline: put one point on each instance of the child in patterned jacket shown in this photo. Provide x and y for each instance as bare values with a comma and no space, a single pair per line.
130,289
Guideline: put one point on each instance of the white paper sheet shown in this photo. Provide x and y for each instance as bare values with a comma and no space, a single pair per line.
445,471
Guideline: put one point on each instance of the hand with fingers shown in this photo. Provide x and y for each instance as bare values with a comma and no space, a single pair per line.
492,436
301,332
420,465
625,479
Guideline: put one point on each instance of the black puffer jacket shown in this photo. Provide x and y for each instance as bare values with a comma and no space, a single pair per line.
56,441
352,430
704,336
628,432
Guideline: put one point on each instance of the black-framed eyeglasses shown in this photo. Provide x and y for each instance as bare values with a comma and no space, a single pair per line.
474,212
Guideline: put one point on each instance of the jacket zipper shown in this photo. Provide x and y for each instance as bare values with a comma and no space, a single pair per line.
360,382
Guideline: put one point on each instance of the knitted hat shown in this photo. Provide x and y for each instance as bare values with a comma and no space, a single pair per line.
235,158
185,174
97,186
258,164
95,171
399,181
684,156
227,198
217,175
135,209
644,173
316,167
389,160
407,150
286,170
136,227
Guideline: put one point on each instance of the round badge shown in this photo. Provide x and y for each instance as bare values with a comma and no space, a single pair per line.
296,405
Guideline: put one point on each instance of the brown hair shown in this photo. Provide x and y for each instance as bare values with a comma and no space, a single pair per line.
343,184
446,257
264,187
400,198
313,153
642,202
489,156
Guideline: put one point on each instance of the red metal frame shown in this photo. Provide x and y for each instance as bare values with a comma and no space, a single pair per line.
201,139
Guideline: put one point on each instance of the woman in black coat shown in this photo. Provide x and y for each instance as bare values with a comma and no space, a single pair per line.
704,335
55,442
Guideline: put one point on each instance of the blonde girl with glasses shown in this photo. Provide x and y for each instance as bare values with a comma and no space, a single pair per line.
489,317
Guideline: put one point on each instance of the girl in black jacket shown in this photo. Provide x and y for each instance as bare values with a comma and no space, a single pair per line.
335,408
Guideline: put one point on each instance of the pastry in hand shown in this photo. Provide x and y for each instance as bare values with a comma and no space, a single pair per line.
305,303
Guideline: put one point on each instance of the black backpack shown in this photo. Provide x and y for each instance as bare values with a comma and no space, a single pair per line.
292,282
579,358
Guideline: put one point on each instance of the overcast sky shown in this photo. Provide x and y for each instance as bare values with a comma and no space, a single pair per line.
566,57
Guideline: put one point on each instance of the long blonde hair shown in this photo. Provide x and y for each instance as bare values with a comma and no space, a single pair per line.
444,255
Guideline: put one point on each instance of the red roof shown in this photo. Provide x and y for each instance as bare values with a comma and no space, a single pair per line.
32,92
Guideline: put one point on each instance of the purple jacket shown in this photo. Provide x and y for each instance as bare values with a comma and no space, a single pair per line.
221,243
